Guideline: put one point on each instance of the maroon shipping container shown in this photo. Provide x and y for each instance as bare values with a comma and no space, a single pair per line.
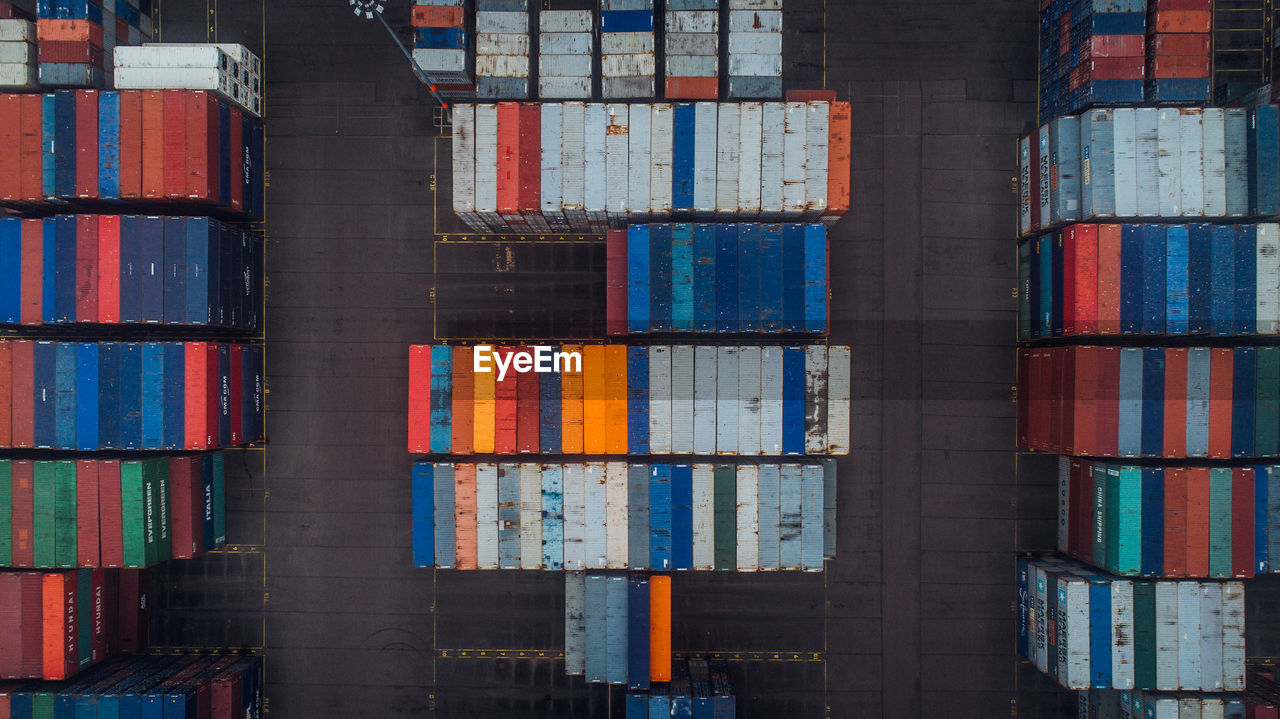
23,498
84,53
111,531
9,11
134,610
616,282
31,624
88,552
186,506
1175,66
10,625
527,385
1110,68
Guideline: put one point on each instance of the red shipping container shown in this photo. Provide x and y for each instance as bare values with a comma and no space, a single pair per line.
1086,278
1242,522
616,282
1197,521
527,387
1175,402
1109,279
9,11
153,144
1179,43
108,268
437,16
1175,66
111,608
202,141
701,88
508,167
87,267
420,399
236,397
186,506
1110,68
530,198
86,144
110,519
61,602
196,396
175,144
1175,522
225,700
31,166
810,95
88,551
79,53
1024,408
10,158
1117,45
131,143
1179,21
1068,404
1065,240
23,498
504,439
10,627
1086,401
212,396
1108,403
463,401
1220,376
1041,403
23,391
86,31
32,292
32,587
98,632
1158,5
1055,399
235,159
134,610
6,394
122,28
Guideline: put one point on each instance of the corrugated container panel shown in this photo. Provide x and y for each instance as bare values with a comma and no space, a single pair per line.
1233,650
811,518
596,516
704,400
637,633
1146,122
767,21
487,516
704,158
771,159
687,21
552,177
1122,674
565,45
486,166
1191,161
681,517
1268,279
638,516
1210,637
749,367
512,68
727,400
770,478
816,439
530,516
748,519
595,177
424,553
509,516
682,388
633,65
626,43
617,143
794,154
464,171
1098,157
488,43
660,400
749,158
829,508
817,129
563,87
444,515
464,477
1168,138
616,515
662,154
1188,631
752,65
488,21
574,192
639,136
575,517
597,628
566,21
687,45
771,400
1166,635
790,516
703,517
1124,135
1236,161
575,66
1215,166
660,554
838,398
728,150
552,516
575,623
616,630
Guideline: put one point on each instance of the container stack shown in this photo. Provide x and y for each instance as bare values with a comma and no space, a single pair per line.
229,70
502,49
692,50
627,59
440,47
755,49
565,47
77,40
1091,52
698,688
618,628
18,60
1178,51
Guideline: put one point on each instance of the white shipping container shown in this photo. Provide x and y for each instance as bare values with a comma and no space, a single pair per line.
632,65
1191,162
755,43
515,23
22,76
703,517
1233,646
1166,636
771,400
575,516
171,56
552,172
1215,161
838,398
1188,634
565,21
596,541
1169,151
661,150
573,115
748,400
755,65
726,400
17,53
749,158
755,4
660,400
754,21
1268,278
1077,631
1124,134
464,171
616,142
704,157
771,171
691,66
815,390
1041,584
728,146
1211,638
177,78
564,65
530,516
575,623
1122,675
683,21
616,508
626,43
564,87
690,43
487,516
17,30
704,400
595,195
817,127
624,87
748,511
494,43
486,131
682,399
793,158
565,43
638,168
1146,120
502,66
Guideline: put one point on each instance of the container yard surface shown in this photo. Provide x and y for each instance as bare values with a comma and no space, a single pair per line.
915,617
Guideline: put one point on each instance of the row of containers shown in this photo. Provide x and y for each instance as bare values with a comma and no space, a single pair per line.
113,512
502,48
440,48
1123,51
1260,700
1150,279
615,399
1087,629
1169,521
614,515
699,689
1150,162
129,395
227,69
739,278
617,628
130,269
520,167
628,62
68,44
163,148
57,624
1170,402
213,686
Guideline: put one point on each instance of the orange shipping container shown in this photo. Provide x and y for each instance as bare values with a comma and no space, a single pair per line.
1197,522
1109,279
1220,374
1180,21
1175,66
839,150
420,398
1180,43
615,400
464,488
153,144
660,628
463,403
485,403
692,88
69,31
593,406
437,16
571,407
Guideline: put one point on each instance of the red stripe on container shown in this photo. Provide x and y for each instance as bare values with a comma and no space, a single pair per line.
87,267
23,514
6,394
88,550
86,143
616,278
420,399
508,158
527,385
31,168
32,293
1220,376
153,145
23,392
1175,522
10,153
504,440
108,268
1175,402
196,116
111,529
1108,392
175,143
1242,522
131,143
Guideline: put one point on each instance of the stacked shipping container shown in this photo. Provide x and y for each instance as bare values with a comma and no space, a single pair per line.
691,49
1090,630
440,47
77,39
771,161
565,47
627,59
1178,42
64,513
728,278
129,395
613,515
1091,52
755,49
743,400
502,49
18,69
618,628
227,69
698,689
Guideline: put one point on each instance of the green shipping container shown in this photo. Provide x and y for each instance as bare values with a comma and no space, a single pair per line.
1128,537
133,505
64,514
219,500
6,513
151,497
1144,634
42,543
1267,411
1220,522
726,517
164,544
